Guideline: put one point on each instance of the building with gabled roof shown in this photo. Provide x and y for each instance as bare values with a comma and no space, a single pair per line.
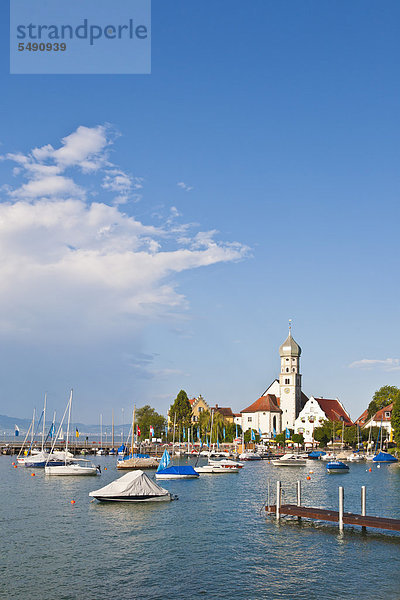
362,419
315,412
263,415
383,418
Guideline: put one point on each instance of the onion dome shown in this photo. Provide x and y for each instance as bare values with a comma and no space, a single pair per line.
289,347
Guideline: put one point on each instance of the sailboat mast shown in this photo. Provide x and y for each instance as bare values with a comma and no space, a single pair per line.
44,420
69,419
112,428
101,430
133,429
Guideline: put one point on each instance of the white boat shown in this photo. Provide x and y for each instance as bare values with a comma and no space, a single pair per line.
77,467
250,456
71,466
356,457
328,457
226,463
132,487
215,470
289,460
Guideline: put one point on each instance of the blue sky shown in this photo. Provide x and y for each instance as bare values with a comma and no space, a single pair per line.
279,120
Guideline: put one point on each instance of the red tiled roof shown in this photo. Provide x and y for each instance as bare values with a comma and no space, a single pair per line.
334,410
362,418
237,414
192,401
381,414
224,411
264,404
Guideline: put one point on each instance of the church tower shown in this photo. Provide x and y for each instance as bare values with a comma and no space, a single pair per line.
290,381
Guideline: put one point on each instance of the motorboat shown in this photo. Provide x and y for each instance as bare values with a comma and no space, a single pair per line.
216,469
356,457
250,456
289,460
226,463
336,466
135,486
328,457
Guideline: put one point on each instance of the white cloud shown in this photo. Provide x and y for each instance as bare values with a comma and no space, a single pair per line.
69,266
184,186
387,364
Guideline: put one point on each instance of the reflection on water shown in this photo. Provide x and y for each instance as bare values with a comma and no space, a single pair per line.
214,542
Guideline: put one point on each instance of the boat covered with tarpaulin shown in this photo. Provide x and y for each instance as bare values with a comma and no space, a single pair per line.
132,487
384,457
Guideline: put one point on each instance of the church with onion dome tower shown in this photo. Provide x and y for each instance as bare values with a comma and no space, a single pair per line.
281,403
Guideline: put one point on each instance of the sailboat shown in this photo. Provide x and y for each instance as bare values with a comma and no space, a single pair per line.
101,450
135,460
70,466
217,467
166,470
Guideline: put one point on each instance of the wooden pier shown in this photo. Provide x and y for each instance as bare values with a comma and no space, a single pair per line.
321,514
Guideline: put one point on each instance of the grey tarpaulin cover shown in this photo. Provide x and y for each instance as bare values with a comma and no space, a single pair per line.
135,483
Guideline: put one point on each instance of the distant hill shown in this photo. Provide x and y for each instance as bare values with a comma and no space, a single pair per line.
7,425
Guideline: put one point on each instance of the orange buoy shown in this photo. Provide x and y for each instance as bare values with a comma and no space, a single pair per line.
72,501
15,466
105,468
311,471
32,474
370,469
308,477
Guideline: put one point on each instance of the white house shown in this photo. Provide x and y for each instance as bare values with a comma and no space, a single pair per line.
315,412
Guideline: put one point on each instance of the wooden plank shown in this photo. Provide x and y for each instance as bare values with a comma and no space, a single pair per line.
322,514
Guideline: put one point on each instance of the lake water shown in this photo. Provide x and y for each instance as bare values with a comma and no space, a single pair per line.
215,542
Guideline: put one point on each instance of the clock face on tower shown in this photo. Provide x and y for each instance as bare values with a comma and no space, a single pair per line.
286,390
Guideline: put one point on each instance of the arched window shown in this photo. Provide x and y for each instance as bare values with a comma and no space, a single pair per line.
287,370
274,423
293,370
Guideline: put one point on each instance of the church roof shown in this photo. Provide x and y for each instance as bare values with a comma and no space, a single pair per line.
334,410
267,403
289,347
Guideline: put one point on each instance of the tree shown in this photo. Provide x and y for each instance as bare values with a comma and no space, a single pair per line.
298,438
181,411
382,397
323,433
146,417
396,421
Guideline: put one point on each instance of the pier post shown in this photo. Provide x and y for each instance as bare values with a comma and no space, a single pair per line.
298,488
299,493
278,500
364,503
341,504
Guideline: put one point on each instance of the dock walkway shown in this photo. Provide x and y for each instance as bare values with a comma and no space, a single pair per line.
322,514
